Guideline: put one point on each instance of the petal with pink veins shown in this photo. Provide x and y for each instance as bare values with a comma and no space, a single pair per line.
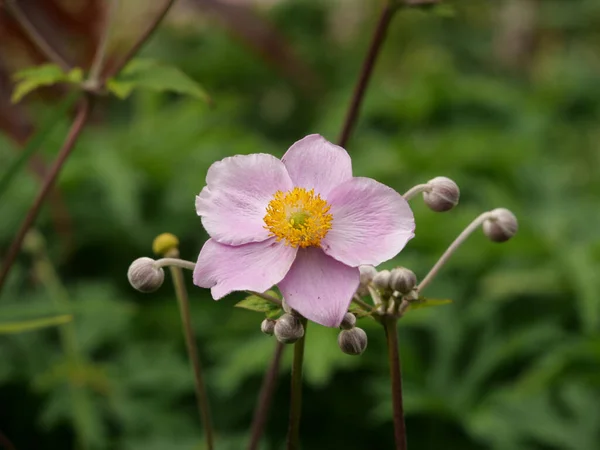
319,287
238,189
315,163
255,267
371,223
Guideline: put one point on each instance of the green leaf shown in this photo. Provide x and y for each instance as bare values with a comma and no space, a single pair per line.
32,78
423,302
152,75
256,303
359,311
36,324
36,141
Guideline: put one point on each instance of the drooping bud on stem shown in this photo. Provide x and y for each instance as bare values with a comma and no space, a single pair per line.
268,327
288,329
353,341
144,276
501,225
442,194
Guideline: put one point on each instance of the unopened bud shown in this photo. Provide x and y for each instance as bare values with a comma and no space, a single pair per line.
163,243
442,195
353,341
402,280
268,327
366,276
288,329
144,276
382,280
501,226
348,321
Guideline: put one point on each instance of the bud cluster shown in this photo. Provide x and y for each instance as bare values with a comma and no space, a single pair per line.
287,328
352,340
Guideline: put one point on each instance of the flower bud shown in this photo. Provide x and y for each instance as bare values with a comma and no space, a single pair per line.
501,226
144,276
442,195
348,321
402,280
163,243
382,280
366,276
353,341
268,327
288,329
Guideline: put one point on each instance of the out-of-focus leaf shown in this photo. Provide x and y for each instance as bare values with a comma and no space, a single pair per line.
36,324
32,78
255,303
152,75
36,141
423,302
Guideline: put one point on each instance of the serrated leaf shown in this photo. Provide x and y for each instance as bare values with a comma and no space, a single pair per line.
152,75
32,78
36,324
423,302
256,303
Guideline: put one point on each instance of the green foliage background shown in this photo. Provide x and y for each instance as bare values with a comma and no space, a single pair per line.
512,364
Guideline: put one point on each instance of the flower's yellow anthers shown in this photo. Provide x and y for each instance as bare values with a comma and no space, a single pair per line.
163,243
299,217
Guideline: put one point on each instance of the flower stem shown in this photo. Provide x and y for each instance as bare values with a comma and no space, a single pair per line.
112,71
293,438
385,19
6,443
265,397
452,248
98,62
389,324
415,190
175,262
32,33
192,350
359,301
80,120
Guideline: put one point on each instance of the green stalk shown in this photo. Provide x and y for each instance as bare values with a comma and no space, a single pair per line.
293,439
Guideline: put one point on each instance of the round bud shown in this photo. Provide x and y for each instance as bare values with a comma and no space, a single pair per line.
268,327
366,276
442,195
348,321
382,280
501,226
288,329
402,280
144,276
353,341
163,243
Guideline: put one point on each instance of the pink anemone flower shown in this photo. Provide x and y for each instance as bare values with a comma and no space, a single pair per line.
303,223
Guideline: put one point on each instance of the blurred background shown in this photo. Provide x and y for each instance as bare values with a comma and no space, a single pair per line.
503,97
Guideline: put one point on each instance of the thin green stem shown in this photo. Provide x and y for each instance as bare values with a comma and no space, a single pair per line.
79,122
462,237
39,41
175,262
356,299
293,438
192,350
100,56
265,397
389,324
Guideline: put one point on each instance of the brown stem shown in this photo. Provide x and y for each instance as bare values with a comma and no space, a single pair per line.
34,35
80,120
192,350
367,69
112,71
265,397
389,323
5,443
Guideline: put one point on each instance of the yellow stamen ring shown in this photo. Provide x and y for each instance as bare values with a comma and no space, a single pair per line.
299,217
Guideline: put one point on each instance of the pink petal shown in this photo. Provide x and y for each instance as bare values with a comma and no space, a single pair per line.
315,163
238,190
256,266
319,287
371,223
